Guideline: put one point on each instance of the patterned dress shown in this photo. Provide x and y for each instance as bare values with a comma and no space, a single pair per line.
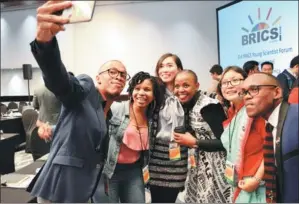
206,182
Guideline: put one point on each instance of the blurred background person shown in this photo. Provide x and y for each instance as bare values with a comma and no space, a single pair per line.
294,95
47,104
267,67
288,77
251,67
216,73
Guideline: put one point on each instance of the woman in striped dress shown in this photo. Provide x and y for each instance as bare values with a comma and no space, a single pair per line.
167,176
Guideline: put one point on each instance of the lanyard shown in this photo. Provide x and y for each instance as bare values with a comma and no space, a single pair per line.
230,134
143,146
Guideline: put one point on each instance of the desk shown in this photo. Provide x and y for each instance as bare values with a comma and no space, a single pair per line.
15,195
8,143
13,125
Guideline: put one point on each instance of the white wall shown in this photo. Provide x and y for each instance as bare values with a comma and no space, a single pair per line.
138,34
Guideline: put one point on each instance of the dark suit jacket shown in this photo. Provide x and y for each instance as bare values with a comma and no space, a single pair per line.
287,153
70,173
283,79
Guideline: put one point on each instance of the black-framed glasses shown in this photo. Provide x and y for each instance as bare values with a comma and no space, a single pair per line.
234,82
114,73
254,90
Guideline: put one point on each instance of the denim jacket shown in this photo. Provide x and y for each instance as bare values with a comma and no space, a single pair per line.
117,126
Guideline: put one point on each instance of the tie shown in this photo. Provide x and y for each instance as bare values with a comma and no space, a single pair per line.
270,168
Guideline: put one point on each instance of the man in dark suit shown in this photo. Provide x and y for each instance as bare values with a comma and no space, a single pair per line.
72,170
288,77
263,97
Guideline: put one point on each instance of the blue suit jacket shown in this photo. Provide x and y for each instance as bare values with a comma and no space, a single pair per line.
70,173
287,153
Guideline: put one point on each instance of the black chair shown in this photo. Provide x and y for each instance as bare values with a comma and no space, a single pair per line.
21,105
12,105
38,146
29,118
3,109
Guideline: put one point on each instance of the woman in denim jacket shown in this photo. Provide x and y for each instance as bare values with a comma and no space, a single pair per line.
130,131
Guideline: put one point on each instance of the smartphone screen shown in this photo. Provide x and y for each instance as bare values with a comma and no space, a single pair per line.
81,11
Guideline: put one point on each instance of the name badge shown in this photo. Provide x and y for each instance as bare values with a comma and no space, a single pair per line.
229,173
146,175
192,161
174,151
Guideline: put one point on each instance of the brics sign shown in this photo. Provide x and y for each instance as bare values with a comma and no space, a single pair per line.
262,32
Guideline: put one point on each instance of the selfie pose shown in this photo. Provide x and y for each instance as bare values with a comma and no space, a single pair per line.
70,174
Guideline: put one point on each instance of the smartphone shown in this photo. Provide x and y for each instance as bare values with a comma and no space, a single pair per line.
180,129
81,11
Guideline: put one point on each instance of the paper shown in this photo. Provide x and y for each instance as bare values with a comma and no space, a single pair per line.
16,180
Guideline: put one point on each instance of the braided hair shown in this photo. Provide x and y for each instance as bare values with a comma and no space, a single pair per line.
157,104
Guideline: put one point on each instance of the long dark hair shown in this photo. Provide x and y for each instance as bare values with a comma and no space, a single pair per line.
159,90
176,59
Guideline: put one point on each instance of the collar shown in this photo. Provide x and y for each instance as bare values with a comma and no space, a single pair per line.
127,107
273,119
190,104
290,71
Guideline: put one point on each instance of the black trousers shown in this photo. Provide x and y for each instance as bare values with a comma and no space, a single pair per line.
163,194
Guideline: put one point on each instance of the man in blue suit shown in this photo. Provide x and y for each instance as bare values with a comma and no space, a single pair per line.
263,96
72,169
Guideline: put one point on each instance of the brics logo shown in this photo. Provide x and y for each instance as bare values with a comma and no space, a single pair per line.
262,31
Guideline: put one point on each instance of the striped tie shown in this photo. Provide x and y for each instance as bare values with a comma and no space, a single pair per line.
270,168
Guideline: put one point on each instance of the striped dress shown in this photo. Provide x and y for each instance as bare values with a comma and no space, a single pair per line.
163,171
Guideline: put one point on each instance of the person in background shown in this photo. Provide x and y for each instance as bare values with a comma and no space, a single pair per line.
72,170
294,95
203,125
130,131
243,140
251,67
267,67
262,95
48,105
167,173
288,77
216,73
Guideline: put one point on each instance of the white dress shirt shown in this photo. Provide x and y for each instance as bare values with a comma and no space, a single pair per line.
273,120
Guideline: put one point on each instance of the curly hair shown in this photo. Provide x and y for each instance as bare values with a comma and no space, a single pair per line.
159,90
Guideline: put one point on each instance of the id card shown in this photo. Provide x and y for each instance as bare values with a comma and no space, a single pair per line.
146,175
174,151
192,161
230,173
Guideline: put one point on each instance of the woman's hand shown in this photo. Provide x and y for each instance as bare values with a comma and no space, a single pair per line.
185,139
249,184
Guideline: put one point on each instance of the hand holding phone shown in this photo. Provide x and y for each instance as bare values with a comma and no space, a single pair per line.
48,25
81,11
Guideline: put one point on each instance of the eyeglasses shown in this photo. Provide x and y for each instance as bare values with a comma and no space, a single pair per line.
254,90
234,82
114,73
